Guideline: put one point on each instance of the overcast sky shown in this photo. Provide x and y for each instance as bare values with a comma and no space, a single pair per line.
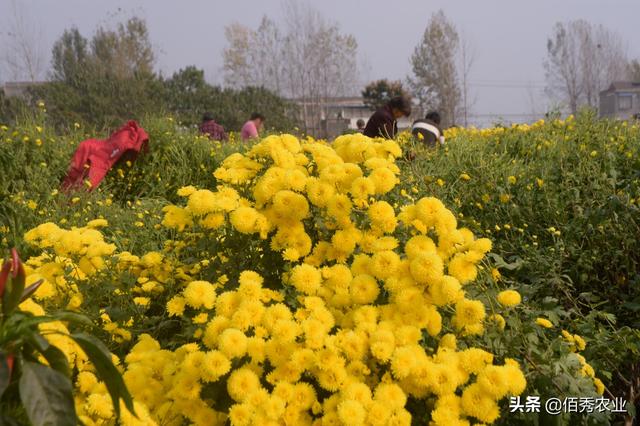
507,36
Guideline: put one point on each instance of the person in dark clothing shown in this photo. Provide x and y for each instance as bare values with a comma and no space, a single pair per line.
383,122
360,125
428,129
212,129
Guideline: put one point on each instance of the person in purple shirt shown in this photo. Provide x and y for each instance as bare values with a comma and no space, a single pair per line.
251,128
212,129
383,122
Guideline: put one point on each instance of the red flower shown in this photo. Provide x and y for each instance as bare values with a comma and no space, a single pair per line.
10,360
4,274
15,262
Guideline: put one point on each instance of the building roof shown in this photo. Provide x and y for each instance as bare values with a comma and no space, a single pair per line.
346,101
618,86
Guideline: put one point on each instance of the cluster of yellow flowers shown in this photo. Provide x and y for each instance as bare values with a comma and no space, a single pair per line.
77,254
368,285
93,403
577,344
92,400
370,363
153,270
372,305
55,332
455,132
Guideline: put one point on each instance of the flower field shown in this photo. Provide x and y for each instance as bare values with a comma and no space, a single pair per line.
295,281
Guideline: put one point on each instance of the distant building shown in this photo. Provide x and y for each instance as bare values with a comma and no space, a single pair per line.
19,88
340,114
621,100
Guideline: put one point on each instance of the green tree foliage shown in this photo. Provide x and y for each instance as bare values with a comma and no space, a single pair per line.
110,78
70,55
126,52
103,81
377,93
11,108
187,95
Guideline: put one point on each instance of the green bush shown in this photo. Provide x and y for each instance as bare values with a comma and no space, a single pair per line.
561,202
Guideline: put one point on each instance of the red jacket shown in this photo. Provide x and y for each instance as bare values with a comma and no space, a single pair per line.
94,157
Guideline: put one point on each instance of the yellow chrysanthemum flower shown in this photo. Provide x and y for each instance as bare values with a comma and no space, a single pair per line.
200,294
543,322
232,343
242,383
509,298
306,278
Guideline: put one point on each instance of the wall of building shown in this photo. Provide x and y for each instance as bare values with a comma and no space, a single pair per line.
19,88
341,115
607,105
622,104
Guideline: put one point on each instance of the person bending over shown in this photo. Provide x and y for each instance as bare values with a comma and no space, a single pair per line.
384,122
212,129
251,128
428,129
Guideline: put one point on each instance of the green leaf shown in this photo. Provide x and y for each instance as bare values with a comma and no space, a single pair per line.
57,360
46,396
30,290
501,263
632,306
20,325
101,359
23,322
5,374
54,356
217,393
72,317
37,341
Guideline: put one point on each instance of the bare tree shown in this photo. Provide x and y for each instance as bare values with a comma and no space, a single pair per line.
254,57
309,60
236,56
604,59
633,70
268,55
563,66
533,100
364,70
23,55
435,75
467,59
582,59
321,62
